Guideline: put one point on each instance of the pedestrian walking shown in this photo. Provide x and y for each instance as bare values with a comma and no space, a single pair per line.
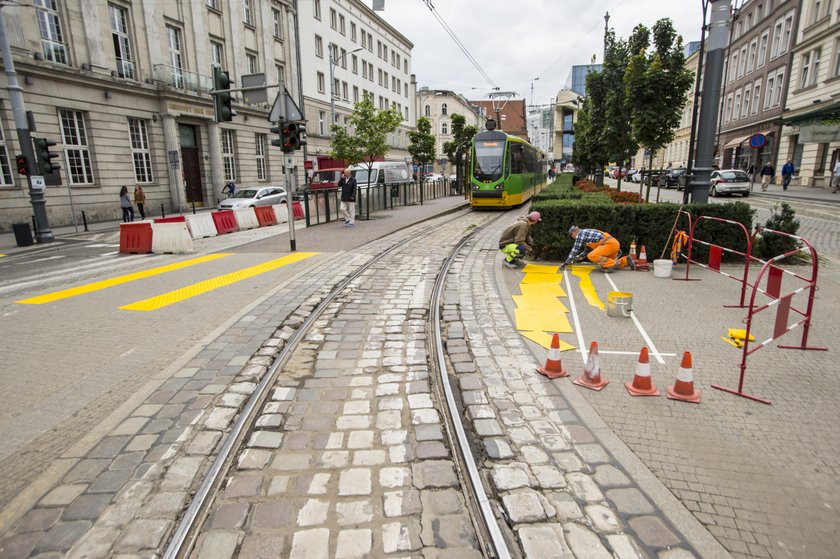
516,240
787,173
550,174
125,204
604,250
767,175
835,179
348,197
140,201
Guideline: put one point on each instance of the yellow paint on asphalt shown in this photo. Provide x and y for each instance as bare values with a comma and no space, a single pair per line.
539,312
525,302
540,269
544,339
586,285
160,301
542,319
542,290
119,280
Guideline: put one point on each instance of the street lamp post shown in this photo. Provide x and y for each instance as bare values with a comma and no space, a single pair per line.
333,61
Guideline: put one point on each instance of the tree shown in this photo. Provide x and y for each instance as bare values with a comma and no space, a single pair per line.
460,144
367,138
617,132
657,82
422,146
590,149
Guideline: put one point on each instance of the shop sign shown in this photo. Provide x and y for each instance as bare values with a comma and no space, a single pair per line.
819,134
192,110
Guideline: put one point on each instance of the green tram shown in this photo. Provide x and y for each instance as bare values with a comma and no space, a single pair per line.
505,170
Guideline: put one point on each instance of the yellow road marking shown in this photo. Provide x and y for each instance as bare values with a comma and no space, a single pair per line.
154,303
586,285
104,284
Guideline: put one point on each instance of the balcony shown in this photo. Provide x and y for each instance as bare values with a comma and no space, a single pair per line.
178,78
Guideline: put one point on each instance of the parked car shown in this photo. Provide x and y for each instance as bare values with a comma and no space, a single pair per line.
630,174
730,181
670,178
433,177
453,177
250,197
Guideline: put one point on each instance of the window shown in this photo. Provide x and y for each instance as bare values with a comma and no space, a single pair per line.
247,15
316,9
756,100
444,128
836,71
355,94
174,39
259,142
251,63
781,35
364,39
742,62
344,90
354,63
751,56
322,116
341,28
281,72
777,39
762,49
745,108
768,95
816,54
140,151
728,114
217,54
320,79
815,16
76,150
733,67
428,111
803,72
777,88
736,107
370,42
364,69
444,110
229,154
333,19
343,58
319,46
277,22
352,31
213,4
5,167
49,24
119,35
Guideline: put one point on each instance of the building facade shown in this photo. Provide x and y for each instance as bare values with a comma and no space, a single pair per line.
126,97
438,106
348,51
755,81
811,134
565,107
576,80
510,115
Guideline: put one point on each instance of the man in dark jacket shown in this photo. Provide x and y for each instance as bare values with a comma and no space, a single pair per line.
348,197
516,240
768,175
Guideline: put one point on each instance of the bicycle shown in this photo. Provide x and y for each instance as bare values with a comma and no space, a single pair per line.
229,190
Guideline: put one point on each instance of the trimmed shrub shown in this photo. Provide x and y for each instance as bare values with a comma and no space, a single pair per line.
781,219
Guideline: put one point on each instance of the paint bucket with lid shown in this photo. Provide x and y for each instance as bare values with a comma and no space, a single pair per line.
662,268
619,304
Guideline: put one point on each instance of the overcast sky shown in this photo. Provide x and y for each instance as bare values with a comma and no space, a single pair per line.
515,41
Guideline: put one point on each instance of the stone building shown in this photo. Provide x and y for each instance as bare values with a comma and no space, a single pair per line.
511,115
438,106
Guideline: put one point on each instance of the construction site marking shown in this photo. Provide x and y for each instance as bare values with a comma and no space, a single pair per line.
539,312
160,301
586,285
119,280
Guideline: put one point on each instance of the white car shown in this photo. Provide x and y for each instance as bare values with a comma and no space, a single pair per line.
433,177
453,177
730,181
250,197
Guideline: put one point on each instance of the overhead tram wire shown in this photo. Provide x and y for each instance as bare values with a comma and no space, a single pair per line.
458,42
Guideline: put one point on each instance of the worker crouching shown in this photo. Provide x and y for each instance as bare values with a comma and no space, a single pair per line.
516,240
604,250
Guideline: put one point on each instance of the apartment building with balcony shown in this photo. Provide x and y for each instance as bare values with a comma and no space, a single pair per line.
123,87
756,74
811,132
348,51
438,105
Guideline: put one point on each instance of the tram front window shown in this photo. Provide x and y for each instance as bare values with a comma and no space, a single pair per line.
489,156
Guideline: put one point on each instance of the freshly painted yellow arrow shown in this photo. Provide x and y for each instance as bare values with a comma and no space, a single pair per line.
586,285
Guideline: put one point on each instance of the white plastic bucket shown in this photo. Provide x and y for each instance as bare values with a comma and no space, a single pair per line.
662,268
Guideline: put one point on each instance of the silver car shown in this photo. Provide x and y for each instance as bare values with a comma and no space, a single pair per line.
730,181
250,197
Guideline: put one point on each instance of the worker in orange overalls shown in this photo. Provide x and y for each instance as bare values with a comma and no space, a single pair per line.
604,250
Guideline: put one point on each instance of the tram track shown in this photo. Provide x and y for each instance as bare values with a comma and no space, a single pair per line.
485,520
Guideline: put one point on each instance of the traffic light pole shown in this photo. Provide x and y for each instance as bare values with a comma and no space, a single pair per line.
43,233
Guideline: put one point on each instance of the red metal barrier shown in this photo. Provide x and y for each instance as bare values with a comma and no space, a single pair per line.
136,238
175,219
687,256
773,290
265,215
297,210
225,221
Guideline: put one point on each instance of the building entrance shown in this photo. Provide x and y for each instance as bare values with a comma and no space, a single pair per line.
191,160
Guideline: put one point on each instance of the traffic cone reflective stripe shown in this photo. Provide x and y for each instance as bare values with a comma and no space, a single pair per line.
642,261
592,371
641,384
683,388
553,368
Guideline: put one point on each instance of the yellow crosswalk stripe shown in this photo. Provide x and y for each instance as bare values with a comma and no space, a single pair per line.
119,280
154,303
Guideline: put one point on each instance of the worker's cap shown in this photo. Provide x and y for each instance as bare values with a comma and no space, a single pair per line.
535,216
573,228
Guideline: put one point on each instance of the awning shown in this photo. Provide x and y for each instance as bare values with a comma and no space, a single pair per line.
736,141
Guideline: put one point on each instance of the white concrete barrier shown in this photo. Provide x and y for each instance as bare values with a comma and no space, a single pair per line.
201,225
173,238
281,214
246,218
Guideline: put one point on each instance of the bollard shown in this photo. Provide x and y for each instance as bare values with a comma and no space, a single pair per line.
34,227
162,212
84,220
193,206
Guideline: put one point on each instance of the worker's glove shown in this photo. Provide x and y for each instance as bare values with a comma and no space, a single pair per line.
563,266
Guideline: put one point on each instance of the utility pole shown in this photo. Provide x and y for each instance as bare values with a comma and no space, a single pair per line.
43,233
718,28
689,170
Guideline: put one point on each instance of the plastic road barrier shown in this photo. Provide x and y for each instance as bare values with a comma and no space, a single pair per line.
225,221
281,214
246,218
136,238
171,238
201,225
265,215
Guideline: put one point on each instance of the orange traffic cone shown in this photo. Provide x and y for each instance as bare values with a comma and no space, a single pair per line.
683,388
642,385
592,371
553,367
642,261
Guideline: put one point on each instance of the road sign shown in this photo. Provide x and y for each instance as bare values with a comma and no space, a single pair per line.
292,112
37,182
757,140
254,96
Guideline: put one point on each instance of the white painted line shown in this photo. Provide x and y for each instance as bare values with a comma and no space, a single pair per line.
43,259
616,352
584,353
109,253
648,341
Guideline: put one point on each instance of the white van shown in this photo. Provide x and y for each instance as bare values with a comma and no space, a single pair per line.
383,172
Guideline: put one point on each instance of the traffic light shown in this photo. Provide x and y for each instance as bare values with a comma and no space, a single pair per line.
279,131
44,157
22,165
291,136
221,95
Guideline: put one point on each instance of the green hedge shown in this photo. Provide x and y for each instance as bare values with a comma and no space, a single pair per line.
649,224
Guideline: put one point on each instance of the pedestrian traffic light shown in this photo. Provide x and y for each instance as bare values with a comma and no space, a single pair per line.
22,165
221,96
278,130
291,136
44,157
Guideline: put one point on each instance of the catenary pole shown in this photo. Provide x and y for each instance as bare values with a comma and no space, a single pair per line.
713,75
43,233
689,171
